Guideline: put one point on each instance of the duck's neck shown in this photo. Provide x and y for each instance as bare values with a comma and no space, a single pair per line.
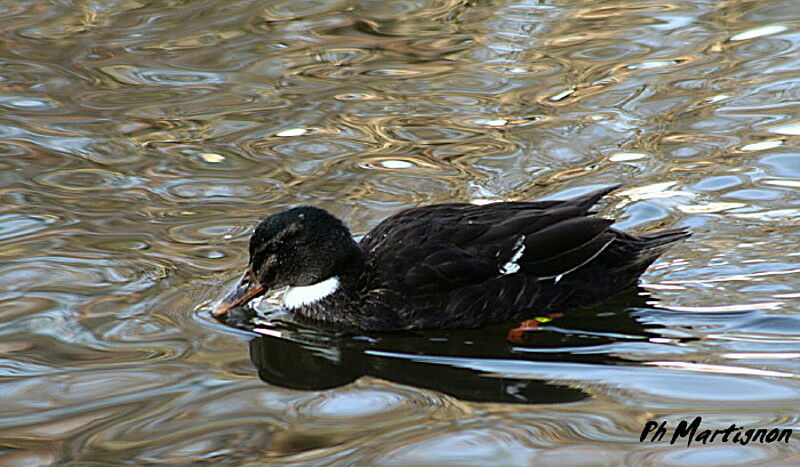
345,298
298,297
343,280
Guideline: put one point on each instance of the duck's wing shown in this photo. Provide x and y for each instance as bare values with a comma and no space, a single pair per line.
444,247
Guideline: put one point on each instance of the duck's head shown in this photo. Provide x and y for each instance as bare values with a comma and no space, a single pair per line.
299,247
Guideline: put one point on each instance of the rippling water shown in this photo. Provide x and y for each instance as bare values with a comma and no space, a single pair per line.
141,141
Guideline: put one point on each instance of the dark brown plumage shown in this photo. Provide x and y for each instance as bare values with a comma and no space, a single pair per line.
448,265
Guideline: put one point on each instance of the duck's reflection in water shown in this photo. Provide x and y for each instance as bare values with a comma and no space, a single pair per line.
299,366
474,365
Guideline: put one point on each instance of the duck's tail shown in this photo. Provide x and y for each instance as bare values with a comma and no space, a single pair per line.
656,242
619,266
664,237
642,250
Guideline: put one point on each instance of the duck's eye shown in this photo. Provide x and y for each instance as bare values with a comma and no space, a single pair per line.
262,251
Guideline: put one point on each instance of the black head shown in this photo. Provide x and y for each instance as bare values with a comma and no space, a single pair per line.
298,247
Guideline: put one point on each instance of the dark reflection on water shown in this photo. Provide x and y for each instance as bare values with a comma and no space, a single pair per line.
293,365
447,361
140,141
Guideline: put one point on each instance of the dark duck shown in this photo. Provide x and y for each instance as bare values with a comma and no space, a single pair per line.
446,266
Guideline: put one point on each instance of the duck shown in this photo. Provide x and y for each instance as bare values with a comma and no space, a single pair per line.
445,266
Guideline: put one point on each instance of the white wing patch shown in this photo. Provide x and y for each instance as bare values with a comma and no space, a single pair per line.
296,297
511,266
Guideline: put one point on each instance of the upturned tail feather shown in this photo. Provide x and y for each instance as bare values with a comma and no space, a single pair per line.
588,200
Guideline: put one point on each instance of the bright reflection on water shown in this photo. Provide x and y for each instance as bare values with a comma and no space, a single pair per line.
142,140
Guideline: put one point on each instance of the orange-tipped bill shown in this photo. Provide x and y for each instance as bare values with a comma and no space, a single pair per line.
246,290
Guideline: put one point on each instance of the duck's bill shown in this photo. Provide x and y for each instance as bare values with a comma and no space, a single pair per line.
244,291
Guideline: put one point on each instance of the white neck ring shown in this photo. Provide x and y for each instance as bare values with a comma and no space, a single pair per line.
296,297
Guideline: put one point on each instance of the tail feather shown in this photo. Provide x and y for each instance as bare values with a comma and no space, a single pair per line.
637,252
660,241
588,200
619,266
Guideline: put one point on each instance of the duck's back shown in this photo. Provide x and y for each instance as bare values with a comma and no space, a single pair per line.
462,265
